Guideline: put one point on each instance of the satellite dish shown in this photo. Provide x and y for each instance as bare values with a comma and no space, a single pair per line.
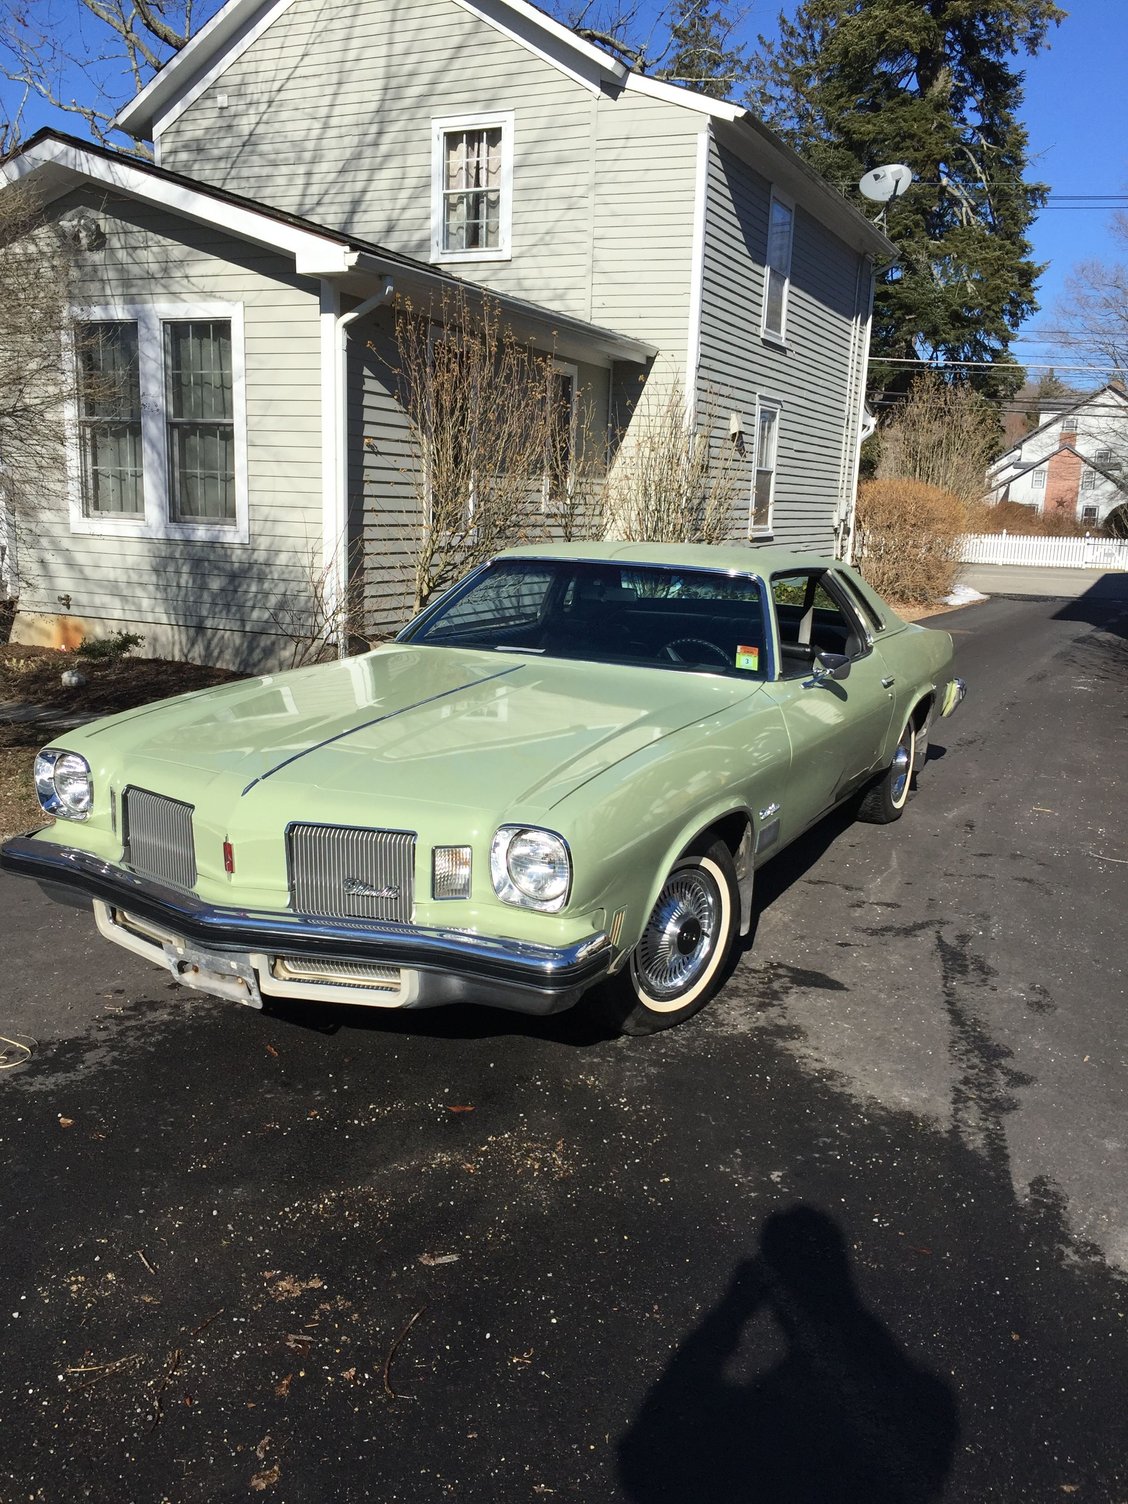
883,184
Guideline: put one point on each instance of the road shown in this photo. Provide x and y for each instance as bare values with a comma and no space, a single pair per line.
858,1233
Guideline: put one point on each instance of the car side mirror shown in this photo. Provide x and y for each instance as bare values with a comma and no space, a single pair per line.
830,666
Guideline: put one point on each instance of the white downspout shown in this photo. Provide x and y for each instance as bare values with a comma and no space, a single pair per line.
862,431
335,440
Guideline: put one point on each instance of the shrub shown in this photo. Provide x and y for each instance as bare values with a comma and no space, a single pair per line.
908,539
114,646
1013,517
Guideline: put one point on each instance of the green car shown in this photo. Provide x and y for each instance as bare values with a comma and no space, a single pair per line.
561,776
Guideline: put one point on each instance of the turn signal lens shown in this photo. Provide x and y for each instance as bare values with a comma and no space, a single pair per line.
450,872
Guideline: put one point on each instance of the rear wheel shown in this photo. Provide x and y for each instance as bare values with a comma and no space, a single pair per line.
679,961
885,799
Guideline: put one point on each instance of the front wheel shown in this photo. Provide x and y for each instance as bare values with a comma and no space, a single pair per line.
885,799
679,961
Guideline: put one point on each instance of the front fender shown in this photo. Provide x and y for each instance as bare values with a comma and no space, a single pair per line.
638,818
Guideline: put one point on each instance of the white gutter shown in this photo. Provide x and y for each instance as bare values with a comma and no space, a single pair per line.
863,425
335,446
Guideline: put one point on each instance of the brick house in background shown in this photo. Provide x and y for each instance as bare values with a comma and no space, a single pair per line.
1075,463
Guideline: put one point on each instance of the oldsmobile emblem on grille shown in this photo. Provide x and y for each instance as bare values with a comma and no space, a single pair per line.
355,887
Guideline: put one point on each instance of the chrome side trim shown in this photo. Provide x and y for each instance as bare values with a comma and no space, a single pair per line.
543,969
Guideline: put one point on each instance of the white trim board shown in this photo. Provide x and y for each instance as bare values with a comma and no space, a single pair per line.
59,163
697,271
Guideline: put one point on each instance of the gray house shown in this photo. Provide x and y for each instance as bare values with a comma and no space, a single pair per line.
319,162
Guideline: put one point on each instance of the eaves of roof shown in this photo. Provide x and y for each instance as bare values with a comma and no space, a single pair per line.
1115,387
1045,460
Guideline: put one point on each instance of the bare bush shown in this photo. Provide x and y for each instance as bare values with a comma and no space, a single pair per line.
943,435
1013,517
496,462
321,620
672,484
908,539
35,280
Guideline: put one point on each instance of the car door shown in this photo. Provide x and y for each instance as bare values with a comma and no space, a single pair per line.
837,727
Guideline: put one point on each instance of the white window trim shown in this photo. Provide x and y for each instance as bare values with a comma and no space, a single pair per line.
549,504
503,251
774,336
156,523
764,529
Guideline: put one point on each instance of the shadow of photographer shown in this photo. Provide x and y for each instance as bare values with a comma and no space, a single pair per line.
843,1415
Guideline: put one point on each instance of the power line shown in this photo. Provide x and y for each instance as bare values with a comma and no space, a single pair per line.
983,365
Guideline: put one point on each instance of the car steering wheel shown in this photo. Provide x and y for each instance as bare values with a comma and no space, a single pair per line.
711,649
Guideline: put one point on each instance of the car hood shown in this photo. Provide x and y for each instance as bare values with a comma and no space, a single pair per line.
433,726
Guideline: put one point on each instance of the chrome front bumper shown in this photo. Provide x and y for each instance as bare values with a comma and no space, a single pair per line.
229,951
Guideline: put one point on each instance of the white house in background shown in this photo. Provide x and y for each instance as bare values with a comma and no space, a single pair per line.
1075,462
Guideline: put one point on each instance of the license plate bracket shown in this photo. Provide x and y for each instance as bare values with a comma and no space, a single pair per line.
225,976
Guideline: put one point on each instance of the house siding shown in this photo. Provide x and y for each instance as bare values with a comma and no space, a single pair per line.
808,379
328,115
206,600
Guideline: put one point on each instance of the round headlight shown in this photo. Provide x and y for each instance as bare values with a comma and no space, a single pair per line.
64,784
530,867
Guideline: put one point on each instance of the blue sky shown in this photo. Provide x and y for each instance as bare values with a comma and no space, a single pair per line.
1074,94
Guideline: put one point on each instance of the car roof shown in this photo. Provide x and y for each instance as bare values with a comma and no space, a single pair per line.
730,557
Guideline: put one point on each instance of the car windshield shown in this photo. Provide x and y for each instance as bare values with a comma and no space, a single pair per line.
699,620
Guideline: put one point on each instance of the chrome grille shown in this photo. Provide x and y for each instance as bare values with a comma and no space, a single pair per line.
158,837
342,872
350,973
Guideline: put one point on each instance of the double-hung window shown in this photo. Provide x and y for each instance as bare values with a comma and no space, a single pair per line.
159,424
472,188
561,436
777,268
763,480
113,476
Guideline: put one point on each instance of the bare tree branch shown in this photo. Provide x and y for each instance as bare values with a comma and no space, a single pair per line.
111,48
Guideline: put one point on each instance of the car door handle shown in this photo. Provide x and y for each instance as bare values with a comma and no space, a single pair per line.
888,683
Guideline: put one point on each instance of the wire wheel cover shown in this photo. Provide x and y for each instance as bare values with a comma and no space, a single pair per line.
902,768
681,934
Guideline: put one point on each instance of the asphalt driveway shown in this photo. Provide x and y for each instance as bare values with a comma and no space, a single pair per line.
860,1232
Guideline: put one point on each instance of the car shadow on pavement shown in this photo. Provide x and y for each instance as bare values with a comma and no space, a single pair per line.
791,1392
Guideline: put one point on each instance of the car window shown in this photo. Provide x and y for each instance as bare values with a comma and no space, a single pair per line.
503,601
695,620
865,610
811,620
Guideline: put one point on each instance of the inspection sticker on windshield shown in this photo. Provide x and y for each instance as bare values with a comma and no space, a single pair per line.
747,657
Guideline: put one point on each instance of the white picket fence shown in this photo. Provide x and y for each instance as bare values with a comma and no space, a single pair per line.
1067,553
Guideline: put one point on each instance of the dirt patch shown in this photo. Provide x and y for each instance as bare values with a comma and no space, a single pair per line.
33,676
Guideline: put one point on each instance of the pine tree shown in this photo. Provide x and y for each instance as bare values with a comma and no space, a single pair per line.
854,84
701,52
